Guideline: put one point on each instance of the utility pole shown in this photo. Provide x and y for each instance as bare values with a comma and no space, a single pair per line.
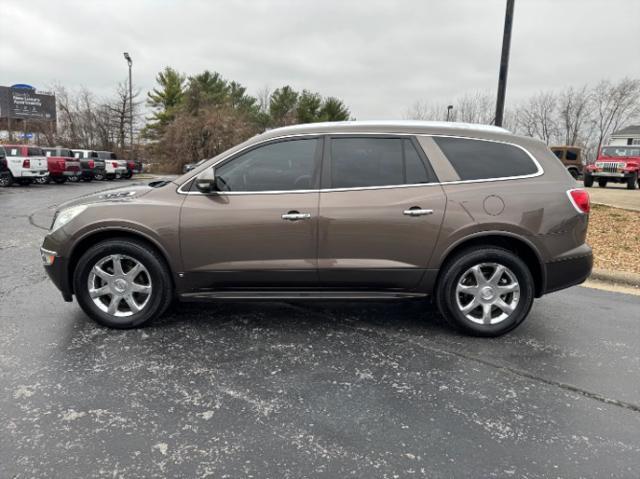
504,63
130,62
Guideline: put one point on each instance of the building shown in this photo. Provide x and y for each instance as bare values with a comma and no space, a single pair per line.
627,136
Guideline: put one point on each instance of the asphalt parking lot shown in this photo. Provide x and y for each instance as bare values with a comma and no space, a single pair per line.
306,390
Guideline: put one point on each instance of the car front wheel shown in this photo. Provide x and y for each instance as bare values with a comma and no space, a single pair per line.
587,179
485,291
122,283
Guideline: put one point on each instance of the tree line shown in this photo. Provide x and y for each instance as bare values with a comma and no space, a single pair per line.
583,116
200,116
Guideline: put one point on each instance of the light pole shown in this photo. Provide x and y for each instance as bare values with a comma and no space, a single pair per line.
130,62
504,63
449,108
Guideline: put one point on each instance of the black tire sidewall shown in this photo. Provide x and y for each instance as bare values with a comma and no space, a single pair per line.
587,180
160,280
446,293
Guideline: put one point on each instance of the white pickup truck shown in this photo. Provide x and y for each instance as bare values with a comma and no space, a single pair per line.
114,168
25,163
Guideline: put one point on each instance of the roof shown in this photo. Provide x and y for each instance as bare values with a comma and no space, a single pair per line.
390,126
630,130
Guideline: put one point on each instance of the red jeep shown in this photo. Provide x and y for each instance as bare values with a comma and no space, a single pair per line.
618,164
62,165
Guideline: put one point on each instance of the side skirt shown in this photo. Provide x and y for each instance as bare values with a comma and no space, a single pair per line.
297,295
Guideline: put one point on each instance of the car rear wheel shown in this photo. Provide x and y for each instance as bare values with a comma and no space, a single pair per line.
122,283
485,291
602,183
74,179
632,182
98,176
6,180
43,180
587,179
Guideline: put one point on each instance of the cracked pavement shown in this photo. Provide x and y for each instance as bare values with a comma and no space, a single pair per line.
308,389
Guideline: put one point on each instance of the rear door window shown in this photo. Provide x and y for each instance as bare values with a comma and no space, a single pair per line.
483,159
360,162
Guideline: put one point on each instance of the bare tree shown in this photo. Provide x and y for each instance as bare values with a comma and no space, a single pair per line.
614,106
537,116
575,106
423,110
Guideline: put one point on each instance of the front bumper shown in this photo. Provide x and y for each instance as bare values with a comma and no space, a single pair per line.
568,271
56,268
605,174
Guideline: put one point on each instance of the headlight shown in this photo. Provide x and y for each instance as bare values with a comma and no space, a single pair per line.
66,215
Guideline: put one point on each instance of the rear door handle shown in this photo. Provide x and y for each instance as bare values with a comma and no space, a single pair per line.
295,216
415,211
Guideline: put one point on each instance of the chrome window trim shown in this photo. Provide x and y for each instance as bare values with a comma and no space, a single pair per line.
382,187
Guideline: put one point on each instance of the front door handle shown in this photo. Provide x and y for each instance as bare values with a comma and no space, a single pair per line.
417,211
295,216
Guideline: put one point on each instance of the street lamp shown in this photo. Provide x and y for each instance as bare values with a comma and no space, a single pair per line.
130,62
449,108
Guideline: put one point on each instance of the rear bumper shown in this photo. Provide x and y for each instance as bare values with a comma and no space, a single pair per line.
569,271
33,173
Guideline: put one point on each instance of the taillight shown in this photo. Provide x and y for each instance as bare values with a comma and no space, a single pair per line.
580,200
92,164
114,164
26,163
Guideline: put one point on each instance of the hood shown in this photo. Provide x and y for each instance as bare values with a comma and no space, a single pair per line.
124,194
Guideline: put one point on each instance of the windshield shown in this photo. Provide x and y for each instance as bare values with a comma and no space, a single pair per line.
620,151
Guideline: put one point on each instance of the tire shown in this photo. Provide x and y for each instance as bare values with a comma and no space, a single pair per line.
60,180
98,176
127,175
155,273
43,180
632,182
574,173
587,180
602,183
73,179
458,271
6,180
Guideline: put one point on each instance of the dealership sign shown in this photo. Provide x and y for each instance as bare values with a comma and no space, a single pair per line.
25,103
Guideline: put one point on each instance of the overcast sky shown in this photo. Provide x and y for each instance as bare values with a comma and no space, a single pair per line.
378,56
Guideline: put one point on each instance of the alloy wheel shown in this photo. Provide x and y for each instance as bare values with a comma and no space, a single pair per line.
487,293
119,285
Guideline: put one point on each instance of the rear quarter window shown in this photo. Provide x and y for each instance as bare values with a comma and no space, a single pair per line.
481,159
35,152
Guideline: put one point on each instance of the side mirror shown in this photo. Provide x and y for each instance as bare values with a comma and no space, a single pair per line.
206,181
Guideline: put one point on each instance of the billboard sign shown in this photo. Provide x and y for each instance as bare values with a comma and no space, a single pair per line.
25,103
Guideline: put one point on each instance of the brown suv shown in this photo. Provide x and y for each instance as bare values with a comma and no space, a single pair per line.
483,220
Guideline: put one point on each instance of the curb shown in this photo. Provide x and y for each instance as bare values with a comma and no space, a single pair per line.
617,277
626,208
